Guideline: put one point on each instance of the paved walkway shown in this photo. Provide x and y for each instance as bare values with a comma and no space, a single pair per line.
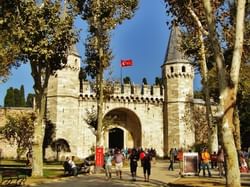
160,177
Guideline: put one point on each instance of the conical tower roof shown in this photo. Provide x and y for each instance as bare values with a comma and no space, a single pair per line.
173,53
73,50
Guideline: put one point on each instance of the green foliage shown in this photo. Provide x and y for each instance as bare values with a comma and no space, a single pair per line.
102,17
91,120
14,97
9,30
198,94
17,98
144,81
29,100
38,33
82,74
49,135
19,130
42,34
158,81
82,77
243,104
126,80
22,96
9,98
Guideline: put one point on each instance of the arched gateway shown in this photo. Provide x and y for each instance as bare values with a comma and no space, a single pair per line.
126,130
146,116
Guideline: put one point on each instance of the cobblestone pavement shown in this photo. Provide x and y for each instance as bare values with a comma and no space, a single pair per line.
160,177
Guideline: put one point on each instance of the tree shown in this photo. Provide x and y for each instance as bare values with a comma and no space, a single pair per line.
228,85
228,76
158,81
243,104
82,77
30,99
92,122
126,80
17,98
22,96
102,17
42,34
19,130
14,97
144,81
9,98
49,135
194,45
8,46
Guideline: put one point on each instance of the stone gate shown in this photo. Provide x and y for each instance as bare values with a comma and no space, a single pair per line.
145,116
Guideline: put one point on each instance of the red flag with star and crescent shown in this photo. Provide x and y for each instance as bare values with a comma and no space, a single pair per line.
127,62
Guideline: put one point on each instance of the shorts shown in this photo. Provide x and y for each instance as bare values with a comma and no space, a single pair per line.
118,166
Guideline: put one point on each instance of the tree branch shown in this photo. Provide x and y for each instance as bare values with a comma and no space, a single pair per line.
195,17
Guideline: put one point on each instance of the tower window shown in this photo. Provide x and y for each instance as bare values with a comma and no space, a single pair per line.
75,62
183,69
172,69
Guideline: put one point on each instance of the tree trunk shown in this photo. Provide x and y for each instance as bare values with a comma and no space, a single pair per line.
212,134
99,80
19,152
236,123
37,155
228,88
99,137
233,173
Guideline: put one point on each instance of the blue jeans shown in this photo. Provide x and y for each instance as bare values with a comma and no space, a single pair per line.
204,166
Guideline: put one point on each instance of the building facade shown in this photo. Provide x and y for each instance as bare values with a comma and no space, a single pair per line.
145,116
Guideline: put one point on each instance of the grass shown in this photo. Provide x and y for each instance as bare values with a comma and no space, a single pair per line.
52,173
53,169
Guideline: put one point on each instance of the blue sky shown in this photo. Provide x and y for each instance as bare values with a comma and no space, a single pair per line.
143,39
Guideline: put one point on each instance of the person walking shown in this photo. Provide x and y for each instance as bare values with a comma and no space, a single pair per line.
171,159
214,160
118,157
108,165
180,158
199,163
205,161
243,164
141,155
220,161
133,163
147,165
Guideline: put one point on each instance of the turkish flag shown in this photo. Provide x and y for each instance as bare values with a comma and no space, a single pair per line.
127,62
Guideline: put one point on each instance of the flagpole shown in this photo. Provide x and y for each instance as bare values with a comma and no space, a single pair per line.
121,76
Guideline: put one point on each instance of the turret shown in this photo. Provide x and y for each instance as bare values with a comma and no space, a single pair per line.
178,77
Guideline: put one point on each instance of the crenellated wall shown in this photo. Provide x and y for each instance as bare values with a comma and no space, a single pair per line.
131,92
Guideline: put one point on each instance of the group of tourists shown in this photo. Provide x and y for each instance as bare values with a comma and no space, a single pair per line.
134,156
70,166
207,161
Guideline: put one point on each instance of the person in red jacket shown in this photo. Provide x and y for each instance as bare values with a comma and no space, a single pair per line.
141,156
180,158
214,160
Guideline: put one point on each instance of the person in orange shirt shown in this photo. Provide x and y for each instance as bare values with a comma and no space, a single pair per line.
205,156
180,158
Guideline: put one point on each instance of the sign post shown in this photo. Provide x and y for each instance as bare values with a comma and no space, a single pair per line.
190,163
99,157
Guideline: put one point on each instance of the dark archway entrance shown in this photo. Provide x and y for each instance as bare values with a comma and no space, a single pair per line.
116,138
125,131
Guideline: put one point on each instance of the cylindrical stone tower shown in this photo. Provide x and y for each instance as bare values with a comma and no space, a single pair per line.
178,76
